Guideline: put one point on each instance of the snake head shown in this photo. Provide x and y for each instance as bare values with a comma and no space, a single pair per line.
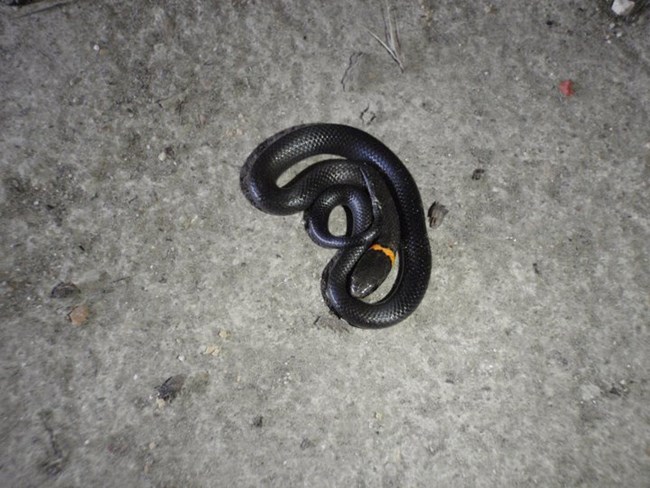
370,272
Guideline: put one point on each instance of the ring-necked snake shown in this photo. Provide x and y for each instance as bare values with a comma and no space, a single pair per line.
383,209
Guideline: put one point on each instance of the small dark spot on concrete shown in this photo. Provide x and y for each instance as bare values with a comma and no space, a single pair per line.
478,173
123,278
65,290
171,387
169,152
536,268
258,421
57,459
450,381
550,23
306,444
621,389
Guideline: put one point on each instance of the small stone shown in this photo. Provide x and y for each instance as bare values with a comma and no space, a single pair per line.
211,350
79,314
622,7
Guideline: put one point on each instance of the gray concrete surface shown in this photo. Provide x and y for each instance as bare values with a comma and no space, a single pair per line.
123,126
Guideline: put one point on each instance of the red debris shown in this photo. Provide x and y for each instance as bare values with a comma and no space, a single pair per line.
566,87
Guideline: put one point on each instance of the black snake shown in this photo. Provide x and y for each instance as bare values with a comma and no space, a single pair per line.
383,208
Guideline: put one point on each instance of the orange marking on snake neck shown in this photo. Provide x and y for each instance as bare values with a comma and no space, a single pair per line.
387,251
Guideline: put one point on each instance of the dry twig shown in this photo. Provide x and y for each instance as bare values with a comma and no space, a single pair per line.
391,35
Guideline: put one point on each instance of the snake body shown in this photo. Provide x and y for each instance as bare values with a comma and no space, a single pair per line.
382,203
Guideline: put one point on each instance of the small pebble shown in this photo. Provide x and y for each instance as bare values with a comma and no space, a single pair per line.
211,350
78,315
622,7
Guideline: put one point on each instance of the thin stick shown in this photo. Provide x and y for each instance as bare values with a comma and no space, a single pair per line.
391,34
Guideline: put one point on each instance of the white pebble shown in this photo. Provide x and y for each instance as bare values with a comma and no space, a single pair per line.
622,7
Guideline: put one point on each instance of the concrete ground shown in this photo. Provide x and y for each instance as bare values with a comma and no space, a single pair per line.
123,126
